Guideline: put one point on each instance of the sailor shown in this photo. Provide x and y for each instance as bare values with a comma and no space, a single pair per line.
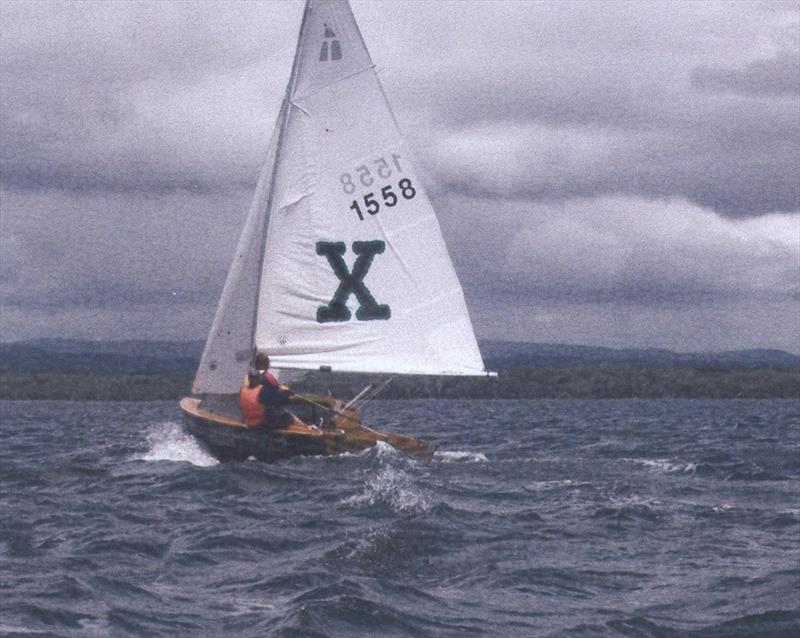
263,400
253,410
274,395
261,363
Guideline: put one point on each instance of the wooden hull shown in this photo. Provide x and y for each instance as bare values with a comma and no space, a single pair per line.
228,438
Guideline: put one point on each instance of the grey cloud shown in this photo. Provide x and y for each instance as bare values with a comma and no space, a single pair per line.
739,161
63,252
91,138
118,43
745,323
641,289
620,251
778,76
126,97
114,295
632,77
131,178
667,297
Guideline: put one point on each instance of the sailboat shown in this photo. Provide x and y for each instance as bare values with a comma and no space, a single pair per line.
341,265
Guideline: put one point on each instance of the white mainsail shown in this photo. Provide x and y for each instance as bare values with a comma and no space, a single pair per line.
355,275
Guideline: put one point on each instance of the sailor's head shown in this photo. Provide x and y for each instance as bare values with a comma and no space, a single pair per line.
261,361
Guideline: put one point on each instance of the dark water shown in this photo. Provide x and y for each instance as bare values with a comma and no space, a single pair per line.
538,518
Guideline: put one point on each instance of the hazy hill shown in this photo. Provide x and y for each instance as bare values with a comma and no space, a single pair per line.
127,357
506,354
151,370
168,357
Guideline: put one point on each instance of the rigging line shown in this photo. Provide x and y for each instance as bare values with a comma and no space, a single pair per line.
377,77
358,396
370,396
326,407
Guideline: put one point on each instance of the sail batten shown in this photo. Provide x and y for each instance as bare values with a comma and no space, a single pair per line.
353,273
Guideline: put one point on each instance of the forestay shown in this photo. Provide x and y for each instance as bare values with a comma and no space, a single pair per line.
355,273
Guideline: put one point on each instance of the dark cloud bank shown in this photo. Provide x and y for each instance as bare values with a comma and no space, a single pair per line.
726,138
584,162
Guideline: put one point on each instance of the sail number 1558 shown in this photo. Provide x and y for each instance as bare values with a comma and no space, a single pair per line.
383,169
373,206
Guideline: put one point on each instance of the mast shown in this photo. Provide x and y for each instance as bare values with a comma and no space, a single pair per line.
283,120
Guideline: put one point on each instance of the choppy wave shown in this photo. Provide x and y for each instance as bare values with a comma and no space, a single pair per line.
545,518
538,486
776,623
664,465
393,487
460,455
382,449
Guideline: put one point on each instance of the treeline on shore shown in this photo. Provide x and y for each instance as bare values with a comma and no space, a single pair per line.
608,381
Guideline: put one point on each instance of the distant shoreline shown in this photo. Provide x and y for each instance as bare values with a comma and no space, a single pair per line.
605,381
68,369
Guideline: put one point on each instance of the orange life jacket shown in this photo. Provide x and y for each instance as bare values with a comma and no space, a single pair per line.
253,411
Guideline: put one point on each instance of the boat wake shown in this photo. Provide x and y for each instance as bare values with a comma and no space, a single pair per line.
168,442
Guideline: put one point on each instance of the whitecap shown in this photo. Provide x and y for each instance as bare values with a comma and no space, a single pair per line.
393,487
94,626
460,455
665,465
539,486
168,442
385,449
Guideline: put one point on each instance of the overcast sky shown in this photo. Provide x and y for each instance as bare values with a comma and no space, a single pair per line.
618,174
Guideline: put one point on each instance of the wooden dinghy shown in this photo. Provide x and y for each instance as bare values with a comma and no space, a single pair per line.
228,438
